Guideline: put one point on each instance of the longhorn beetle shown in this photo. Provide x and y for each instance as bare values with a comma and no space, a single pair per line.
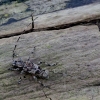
31,68
28,66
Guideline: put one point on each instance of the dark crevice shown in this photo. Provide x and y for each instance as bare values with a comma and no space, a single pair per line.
98,24
64,26
93,84
97,84
15,34
59,27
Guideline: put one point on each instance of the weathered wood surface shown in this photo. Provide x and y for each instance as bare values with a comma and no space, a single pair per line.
77,51
63,17
59,18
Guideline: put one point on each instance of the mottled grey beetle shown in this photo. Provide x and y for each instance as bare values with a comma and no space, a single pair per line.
28,67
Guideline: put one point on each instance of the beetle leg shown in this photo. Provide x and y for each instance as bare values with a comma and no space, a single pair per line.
22,72
19,81
35,78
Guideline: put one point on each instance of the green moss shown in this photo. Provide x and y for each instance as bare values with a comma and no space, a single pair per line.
48,46
6,15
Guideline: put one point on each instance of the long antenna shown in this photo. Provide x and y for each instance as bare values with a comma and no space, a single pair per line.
42,85
31,53
33,20
13,55
32,23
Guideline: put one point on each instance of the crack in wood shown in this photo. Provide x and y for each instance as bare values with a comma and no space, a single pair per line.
98,23
59,27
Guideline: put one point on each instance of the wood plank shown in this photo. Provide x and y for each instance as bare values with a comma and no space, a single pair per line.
59,18
77,52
